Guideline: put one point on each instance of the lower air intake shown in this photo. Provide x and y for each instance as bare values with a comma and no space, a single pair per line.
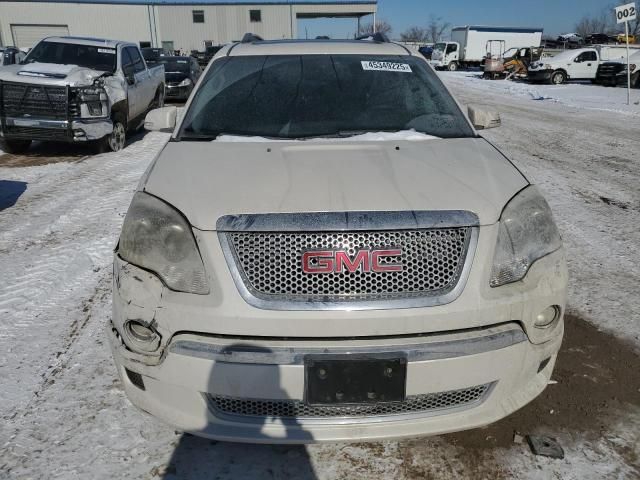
252,408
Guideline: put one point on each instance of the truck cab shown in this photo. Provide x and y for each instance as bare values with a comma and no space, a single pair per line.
445,55
579,64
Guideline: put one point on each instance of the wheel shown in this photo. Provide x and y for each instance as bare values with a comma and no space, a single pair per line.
158,101
453,66
557,78
115,141
14,146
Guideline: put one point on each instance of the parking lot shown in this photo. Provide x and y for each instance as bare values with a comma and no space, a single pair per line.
64,414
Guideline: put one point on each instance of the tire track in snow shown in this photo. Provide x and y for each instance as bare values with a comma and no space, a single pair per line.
54,247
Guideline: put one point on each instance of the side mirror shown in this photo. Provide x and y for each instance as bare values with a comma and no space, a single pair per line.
161,119
483,119
131,79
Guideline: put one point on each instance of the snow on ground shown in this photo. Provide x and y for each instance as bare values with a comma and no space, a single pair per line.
64,414
577,94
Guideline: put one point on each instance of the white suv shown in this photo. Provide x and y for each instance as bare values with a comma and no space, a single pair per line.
326,250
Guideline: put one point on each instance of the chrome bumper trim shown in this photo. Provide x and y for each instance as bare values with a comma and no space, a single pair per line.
434,347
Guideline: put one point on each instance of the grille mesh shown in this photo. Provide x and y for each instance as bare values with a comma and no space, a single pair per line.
46,102
298,409
270,264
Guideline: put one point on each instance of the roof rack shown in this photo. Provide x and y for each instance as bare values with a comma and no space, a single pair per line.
250,38
375,37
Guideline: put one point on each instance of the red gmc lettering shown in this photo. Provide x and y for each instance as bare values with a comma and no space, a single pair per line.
329,261
325,262
389,267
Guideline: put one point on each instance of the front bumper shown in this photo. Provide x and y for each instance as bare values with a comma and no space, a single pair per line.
450,348
539,75
196,369
56,130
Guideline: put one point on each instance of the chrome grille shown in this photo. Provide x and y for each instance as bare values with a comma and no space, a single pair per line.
38,101
270,264
242,407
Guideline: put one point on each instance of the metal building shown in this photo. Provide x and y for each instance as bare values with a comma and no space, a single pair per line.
165,23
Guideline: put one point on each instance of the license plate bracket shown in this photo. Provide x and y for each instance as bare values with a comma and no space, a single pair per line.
355,380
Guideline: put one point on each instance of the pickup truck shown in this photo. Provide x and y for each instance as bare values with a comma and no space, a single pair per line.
327,250
71,89
578,64
615,73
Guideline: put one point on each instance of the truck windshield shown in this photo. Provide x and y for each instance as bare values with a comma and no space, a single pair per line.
291,96
174,64
440,47
97,58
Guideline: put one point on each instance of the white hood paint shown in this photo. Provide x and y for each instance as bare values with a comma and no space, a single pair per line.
206,180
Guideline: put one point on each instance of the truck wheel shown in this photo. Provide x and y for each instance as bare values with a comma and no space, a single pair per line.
557,78
158,102
453,66
115,141
14,146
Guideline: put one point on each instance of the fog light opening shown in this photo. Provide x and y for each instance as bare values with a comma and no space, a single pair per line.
135,378
547,317
543,364
141,337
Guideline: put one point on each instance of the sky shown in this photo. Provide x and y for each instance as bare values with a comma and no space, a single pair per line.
555,16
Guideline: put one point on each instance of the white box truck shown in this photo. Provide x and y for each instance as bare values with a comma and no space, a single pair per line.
468,45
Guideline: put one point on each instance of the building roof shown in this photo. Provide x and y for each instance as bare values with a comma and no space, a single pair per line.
210,2
315,47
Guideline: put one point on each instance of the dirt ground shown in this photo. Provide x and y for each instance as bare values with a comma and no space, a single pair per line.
43,153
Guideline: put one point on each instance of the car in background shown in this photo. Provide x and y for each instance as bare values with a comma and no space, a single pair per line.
622,38
181,74
151,55
77,90
600,39
206,56
615,73
426,51
571,38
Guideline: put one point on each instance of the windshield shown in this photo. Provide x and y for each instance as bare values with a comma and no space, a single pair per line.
291,96
152,53
96,58
174,64
440,46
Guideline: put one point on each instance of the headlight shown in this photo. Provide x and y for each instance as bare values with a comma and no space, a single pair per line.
92,102
156,237
185,83
527,233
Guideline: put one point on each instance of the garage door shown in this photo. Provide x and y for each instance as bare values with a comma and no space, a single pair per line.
26,36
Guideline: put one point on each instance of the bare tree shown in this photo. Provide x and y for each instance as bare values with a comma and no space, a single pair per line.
436,28
603,22
382,26
414,34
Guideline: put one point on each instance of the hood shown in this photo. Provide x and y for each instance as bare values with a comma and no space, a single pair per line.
175,77
206,180
50,74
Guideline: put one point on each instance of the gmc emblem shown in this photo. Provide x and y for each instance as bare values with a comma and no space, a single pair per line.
338,261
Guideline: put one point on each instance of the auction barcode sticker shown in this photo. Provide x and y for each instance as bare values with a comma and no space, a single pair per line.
386,66
107,50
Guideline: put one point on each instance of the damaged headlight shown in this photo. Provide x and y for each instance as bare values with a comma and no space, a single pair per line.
185,83
157,237
527,233
92,102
